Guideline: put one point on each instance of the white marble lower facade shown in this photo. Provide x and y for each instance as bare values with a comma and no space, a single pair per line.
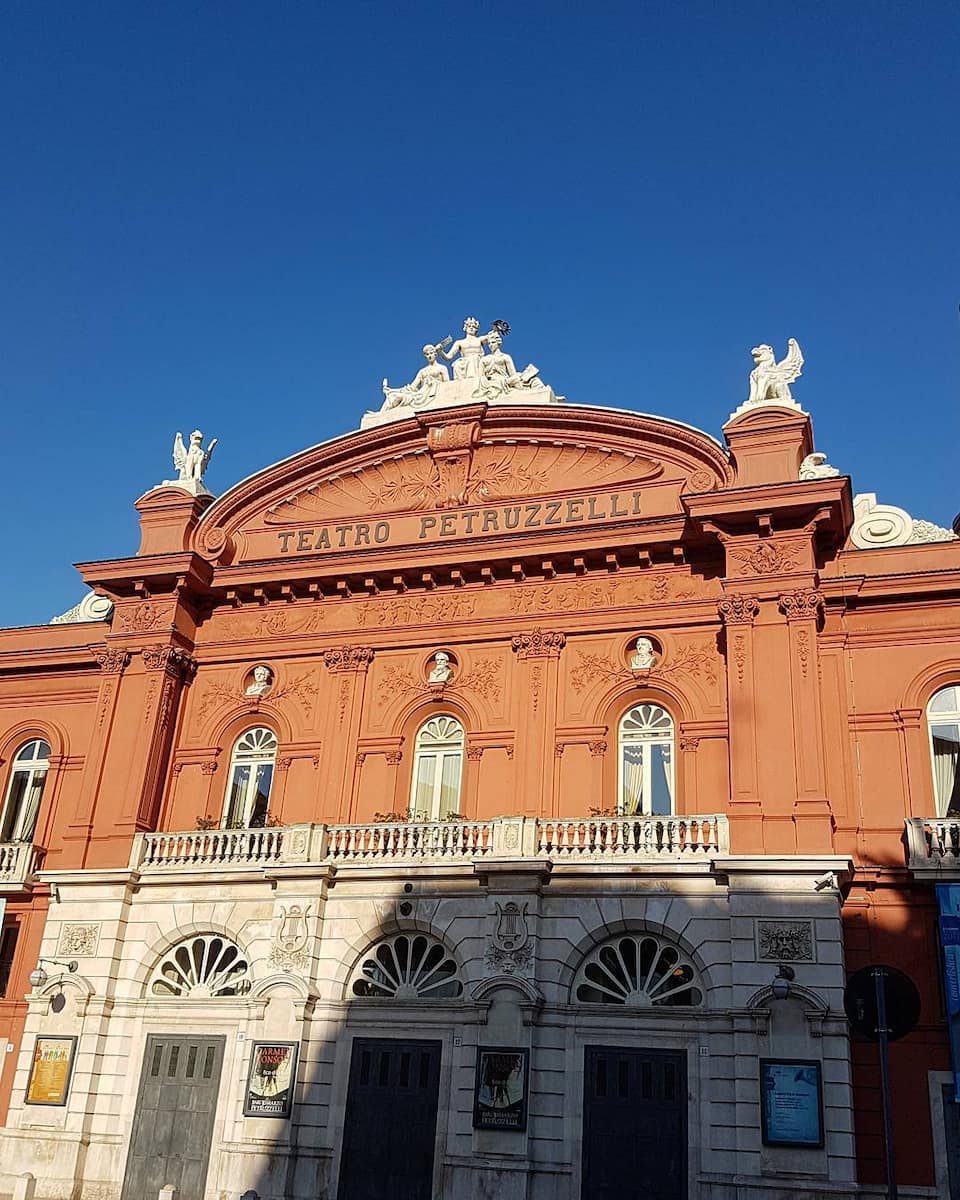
306,929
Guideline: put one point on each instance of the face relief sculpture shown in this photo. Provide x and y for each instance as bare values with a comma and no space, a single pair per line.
442,671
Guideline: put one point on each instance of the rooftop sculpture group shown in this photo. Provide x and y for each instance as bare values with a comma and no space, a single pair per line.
481,371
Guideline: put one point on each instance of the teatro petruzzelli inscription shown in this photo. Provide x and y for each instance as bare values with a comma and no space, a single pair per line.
471,522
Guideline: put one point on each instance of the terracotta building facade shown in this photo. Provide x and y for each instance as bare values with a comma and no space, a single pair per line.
492,801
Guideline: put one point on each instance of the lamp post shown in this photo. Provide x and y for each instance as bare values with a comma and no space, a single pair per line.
38,977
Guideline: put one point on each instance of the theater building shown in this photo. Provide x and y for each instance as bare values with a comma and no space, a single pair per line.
492,801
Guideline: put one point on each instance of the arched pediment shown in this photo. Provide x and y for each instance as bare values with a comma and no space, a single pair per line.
463,475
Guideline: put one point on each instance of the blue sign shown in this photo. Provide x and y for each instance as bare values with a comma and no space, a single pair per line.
791,1103
948,897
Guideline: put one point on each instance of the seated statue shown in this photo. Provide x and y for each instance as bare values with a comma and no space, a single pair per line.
498,372
422,389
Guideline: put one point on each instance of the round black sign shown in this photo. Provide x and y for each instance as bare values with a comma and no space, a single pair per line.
860,1002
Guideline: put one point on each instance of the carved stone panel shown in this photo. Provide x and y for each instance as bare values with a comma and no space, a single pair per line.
78,941
785,941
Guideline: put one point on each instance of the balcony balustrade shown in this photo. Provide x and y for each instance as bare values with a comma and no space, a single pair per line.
17,862
563,840
933,845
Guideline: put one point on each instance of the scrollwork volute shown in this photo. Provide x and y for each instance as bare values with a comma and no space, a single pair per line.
738,610
538,643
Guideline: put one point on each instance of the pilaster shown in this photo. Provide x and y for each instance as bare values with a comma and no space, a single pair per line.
349,666
738,613
538,654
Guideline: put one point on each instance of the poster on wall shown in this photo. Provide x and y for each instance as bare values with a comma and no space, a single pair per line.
273,1073
948,897
500,1092
49,1081
791,1103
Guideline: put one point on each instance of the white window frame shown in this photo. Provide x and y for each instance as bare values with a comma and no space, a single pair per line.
36,768
448,741
259,751
950,716
652,733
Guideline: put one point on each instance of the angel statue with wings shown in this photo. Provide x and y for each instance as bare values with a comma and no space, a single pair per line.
770,380
191,461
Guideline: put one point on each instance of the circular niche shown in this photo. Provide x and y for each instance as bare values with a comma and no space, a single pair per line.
643,652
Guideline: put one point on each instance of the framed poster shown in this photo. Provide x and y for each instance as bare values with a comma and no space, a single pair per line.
273,1073
50,1071
791,1103
500,1090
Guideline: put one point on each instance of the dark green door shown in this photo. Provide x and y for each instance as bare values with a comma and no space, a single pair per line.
634,1125
173,1124
390,1126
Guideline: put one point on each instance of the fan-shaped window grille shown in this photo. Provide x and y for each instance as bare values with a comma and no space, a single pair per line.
409,966
437,768
251,775
202,966
943,721
638,971
24,792
646,762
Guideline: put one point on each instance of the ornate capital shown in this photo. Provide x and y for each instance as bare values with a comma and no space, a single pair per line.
559,748
688,743
180,664
539,643
802,605
348,658
738,610
208,768
395,757
110,661
597,749
474,753
284,764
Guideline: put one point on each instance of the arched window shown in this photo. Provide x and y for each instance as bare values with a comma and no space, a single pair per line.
943,721
27,777
409,966
638,971
251,774
645,761
437,769
209,965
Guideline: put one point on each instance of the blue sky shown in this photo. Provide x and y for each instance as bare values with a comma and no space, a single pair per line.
242,216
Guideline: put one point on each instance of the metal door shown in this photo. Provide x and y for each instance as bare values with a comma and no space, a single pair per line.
173,1124
390,1125
634,1125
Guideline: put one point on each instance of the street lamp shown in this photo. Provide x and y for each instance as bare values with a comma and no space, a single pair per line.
781,982
39,976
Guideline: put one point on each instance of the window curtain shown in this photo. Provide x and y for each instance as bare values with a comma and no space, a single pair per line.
450,785
631,769
422,806
946,752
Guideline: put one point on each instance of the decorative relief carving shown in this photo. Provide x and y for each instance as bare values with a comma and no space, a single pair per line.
801,605
78,941
689,743
585,595
535,685
495,471
483,680
289,950
417,610
278,622
558,749
510,949
395,757
738,610
538,643
215,693
767,558
740,655
698,660
701,481
597,749
349,658
474,753
144,617
785,941
343,699
208,768
803,650
152,692
171,660
110,661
